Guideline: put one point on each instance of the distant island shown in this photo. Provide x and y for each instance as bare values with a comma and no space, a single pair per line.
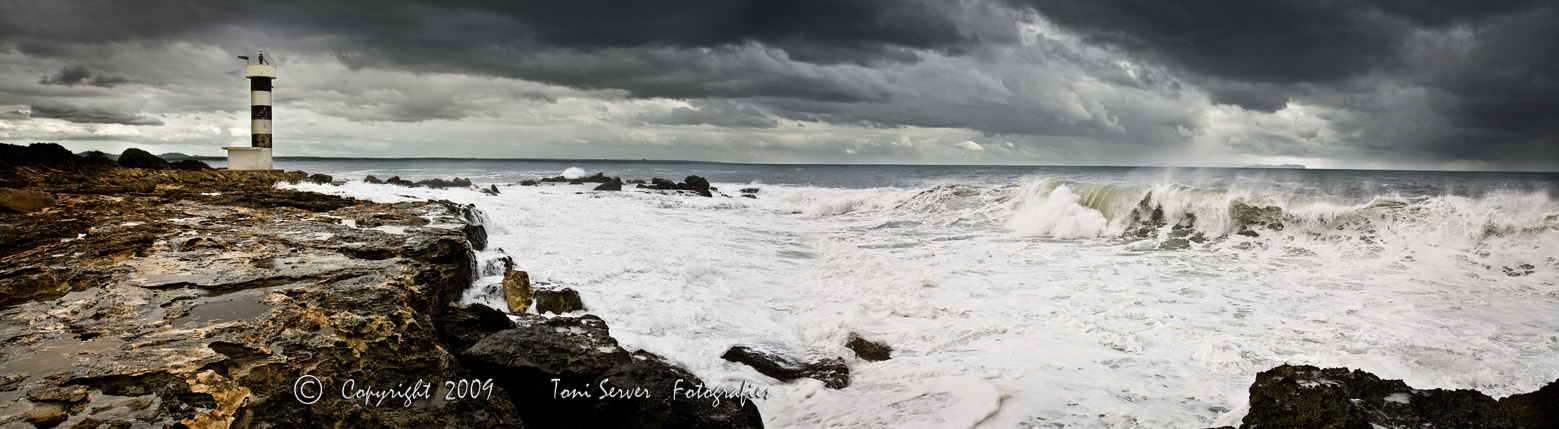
1297,166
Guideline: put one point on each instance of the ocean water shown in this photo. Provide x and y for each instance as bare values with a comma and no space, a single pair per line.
1037,296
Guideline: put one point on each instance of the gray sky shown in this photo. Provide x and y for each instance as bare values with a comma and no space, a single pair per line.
1459,84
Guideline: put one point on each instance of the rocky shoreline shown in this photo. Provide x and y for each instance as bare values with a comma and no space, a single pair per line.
208,298
167,298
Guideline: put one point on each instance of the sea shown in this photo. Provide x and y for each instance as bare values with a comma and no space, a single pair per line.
1032,296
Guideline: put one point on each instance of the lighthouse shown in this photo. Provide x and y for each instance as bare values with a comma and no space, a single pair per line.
257,156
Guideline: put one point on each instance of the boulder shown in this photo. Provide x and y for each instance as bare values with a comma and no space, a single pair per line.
749,190
1303,396
869,350
320,179
636,181
491,190
373,180
831,371
663,184
24,201
656,381
597,178
542,363
615,185
558,301
516,290
528,183
557,179
697,184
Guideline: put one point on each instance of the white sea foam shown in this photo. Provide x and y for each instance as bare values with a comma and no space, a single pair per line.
1037,303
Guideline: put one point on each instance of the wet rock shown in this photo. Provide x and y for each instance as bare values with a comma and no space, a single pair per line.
320,179
558,301
517,291
636,181
24,201
615,185
373,180
556,179
497,266
396,180
1303,396
1539,409
869,350
441,183
597,178
463,327
491,190
750,196
528,183
657,408
663,184
697,184
749,190
542,362
831,371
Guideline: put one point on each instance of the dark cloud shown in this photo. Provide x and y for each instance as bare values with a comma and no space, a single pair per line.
77,74
89,114
15,115
720,113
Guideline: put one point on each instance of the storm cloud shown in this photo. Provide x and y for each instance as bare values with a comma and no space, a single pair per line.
1402,83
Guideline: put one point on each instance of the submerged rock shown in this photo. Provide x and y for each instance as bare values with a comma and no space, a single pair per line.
516,290
831,371
558,301
869,350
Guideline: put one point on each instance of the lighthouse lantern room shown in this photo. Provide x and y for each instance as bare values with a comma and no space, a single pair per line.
256,156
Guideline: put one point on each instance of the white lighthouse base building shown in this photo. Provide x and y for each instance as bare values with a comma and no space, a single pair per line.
248,158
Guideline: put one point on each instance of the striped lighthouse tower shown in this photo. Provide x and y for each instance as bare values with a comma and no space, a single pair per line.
258,155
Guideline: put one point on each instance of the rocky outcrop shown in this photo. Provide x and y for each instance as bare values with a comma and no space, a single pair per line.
1303,396
517,291
867,349
783,366
697,184
558,301
217,300
569,372
181,308
615,185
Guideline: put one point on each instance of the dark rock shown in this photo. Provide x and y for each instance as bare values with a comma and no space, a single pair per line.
1303,396
869,350
24,201
831,371
320,179
697,184
517,291
654,381
136,158
536,361
1539,409
463,327
750,196
558,301
189,165
396,180
491,190
663,184
749,190
615,185
373,180
636,181
528,183
441,183
640,186
575,182
557,179
597,178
